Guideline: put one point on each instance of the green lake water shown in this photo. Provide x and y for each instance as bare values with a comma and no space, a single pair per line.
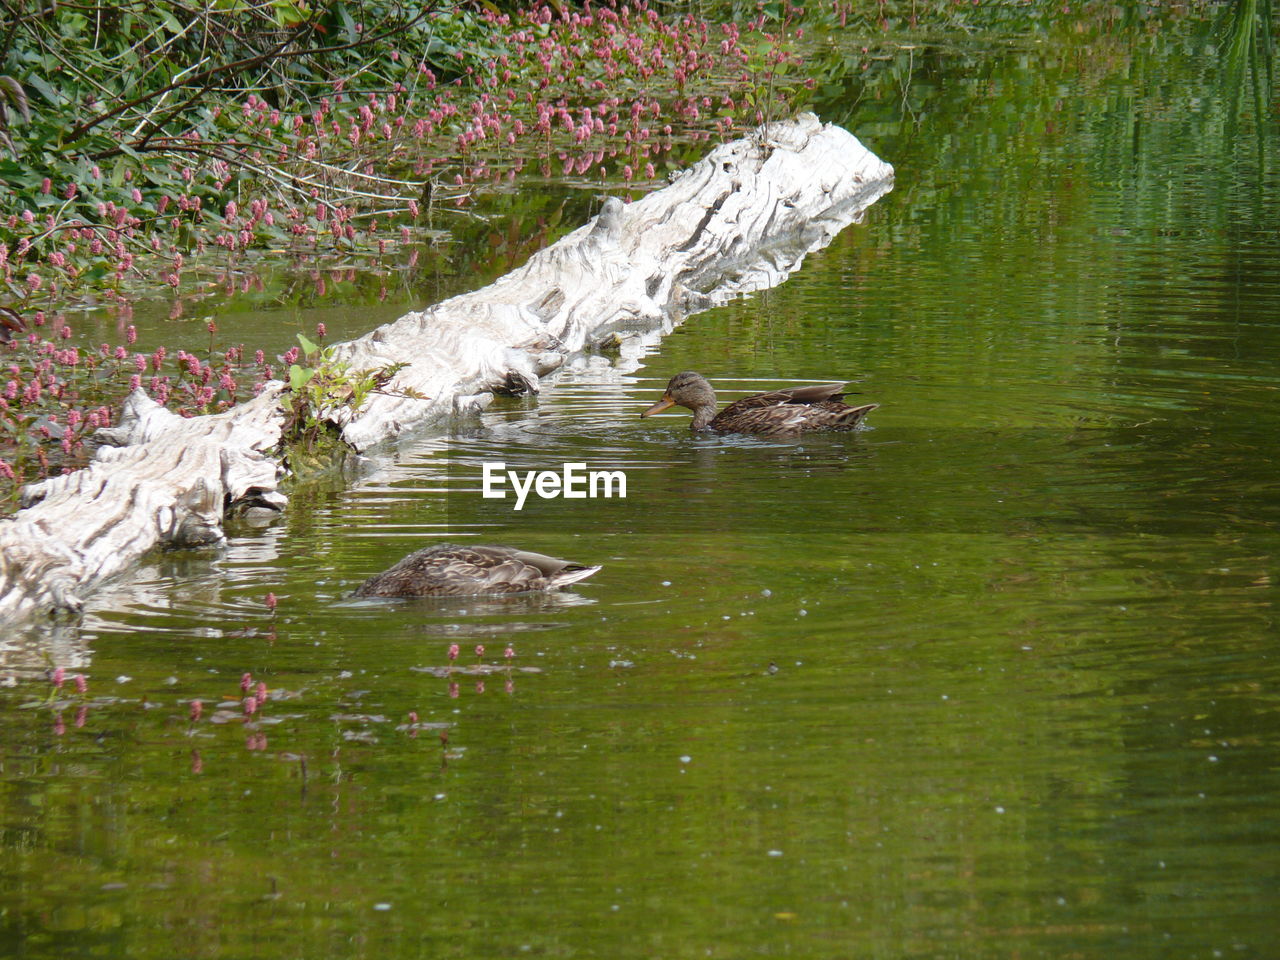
996,677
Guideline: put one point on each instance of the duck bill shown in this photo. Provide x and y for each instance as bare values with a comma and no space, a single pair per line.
658,407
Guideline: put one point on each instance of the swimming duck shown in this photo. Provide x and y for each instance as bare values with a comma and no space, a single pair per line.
779,413
448,570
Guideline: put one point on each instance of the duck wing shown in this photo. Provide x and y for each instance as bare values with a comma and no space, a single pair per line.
807,394
790,412
557,572
508,570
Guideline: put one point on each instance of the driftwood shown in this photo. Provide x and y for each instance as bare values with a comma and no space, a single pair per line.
741,219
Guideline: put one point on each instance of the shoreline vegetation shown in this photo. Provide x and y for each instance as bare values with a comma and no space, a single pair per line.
305,131
144,143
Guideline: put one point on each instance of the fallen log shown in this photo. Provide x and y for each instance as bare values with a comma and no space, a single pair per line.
739,220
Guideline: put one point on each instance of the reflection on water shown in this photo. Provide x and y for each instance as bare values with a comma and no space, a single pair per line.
994,676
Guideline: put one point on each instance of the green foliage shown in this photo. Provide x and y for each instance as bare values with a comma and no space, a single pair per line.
324,391
55,394
148,118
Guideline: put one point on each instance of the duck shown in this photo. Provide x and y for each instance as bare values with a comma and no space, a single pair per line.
778,413
11,323
449,570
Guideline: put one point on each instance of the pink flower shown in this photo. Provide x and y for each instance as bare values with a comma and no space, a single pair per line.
509,653
197,708
82,685
453,652
246,682
271,602
59,677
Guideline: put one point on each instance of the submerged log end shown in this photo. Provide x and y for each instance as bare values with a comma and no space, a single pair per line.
195,518
36,576
172,490
469,405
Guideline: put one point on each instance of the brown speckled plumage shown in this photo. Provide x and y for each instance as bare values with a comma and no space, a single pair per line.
448,570
11,323
779,413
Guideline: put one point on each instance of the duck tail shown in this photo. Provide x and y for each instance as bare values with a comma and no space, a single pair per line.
570,574
853,416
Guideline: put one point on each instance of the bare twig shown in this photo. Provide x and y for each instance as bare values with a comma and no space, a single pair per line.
279,50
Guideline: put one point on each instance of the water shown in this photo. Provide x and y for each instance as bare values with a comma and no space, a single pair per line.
993,677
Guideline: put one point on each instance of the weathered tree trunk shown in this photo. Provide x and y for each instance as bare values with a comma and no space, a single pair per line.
741,219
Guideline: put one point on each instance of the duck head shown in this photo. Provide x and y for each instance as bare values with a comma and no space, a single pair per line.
690,390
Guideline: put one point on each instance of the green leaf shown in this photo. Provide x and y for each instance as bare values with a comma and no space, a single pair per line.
348,25
308,348
298,377
170,21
